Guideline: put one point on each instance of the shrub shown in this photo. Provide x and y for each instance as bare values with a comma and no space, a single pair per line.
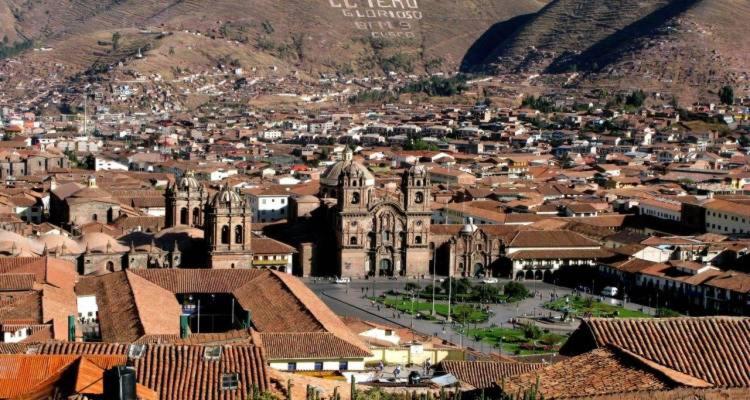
531,331
515,291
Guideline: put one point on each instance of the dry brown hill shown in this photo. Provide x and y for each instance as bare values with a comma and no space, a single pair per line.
311,35
688,46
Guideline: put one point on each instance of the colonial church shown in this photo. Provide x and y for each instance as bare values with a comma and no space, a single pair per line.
378,232
225,219
202,230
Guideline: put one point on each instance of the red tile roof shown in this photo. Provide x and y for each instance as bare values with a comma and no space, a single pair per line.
175,372
309,345
484,374
599,372
714,349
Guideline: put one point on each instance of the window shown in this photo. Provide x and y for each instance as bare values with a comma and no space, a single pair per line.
230,381
418,239
238,231
353,241
419,198
212,353
225,234
136,350
388,332
292,366
343,365
183,216
318,365
355,198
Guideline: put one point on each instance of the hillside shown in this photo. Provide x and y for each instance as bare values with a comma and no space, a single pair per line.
688,46
306,35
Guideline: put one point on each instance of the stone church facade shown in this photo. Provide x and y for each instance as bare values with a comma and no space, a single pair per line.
379,233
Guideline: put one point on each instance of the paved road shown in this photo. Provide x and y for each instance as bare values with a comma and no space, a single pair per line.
347,300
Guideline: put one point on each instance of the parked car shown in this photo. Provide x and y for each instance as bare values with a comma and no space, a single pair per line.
343,280
489,280
583,289
609,291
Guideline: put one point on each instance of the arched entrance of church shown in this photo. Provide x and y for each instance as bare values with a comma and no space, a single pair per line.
386,267
478,270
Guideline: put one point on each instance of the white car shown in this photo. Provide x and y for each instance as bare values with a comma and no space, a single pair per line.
489,280
343,280
609,291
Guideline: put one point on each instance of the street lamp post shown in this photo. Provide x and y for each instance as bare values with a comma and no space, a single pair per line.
450,292
434,268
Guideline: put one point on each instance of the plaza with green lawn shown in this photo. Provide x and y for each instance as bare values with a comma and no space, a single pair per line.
460,312
586,306
523,340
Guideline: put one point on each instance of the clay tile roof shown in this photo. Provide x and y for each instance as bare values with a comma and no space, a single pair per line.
13,282
731,280
23,375
130,307
483,374
27,306
599,372
265,245
309,345
278,302
549,239
713,349
178,372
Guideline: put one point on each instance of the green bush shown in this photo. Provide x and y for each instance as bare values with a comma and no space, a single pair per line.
515,291
662,312
531,331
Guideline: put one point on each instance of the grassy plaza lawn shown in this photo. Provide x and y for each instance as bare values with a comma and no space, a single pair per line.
578,306
524,340
460,312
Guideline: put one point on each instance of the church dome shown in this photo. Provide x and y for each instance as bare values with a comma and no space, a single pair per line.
91,191
347,166
60,243
188,182
19,246
101,243
226,196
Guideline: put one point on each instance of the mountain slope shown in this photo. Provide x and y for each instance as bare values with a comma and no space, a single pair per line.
687,46
311,35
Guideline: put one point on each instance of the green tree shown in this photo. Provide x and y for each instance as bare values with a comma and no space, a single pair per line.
531,331
516,291
411,286
487,293
419,145
89,162
459,286
116,41
636,98
726,95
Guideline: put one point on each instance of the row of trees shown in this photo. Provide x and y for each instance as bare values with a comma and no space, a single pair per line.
464,290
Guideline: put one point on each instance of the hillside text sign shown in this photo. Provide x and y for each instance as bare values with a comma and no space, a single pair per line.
381,18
